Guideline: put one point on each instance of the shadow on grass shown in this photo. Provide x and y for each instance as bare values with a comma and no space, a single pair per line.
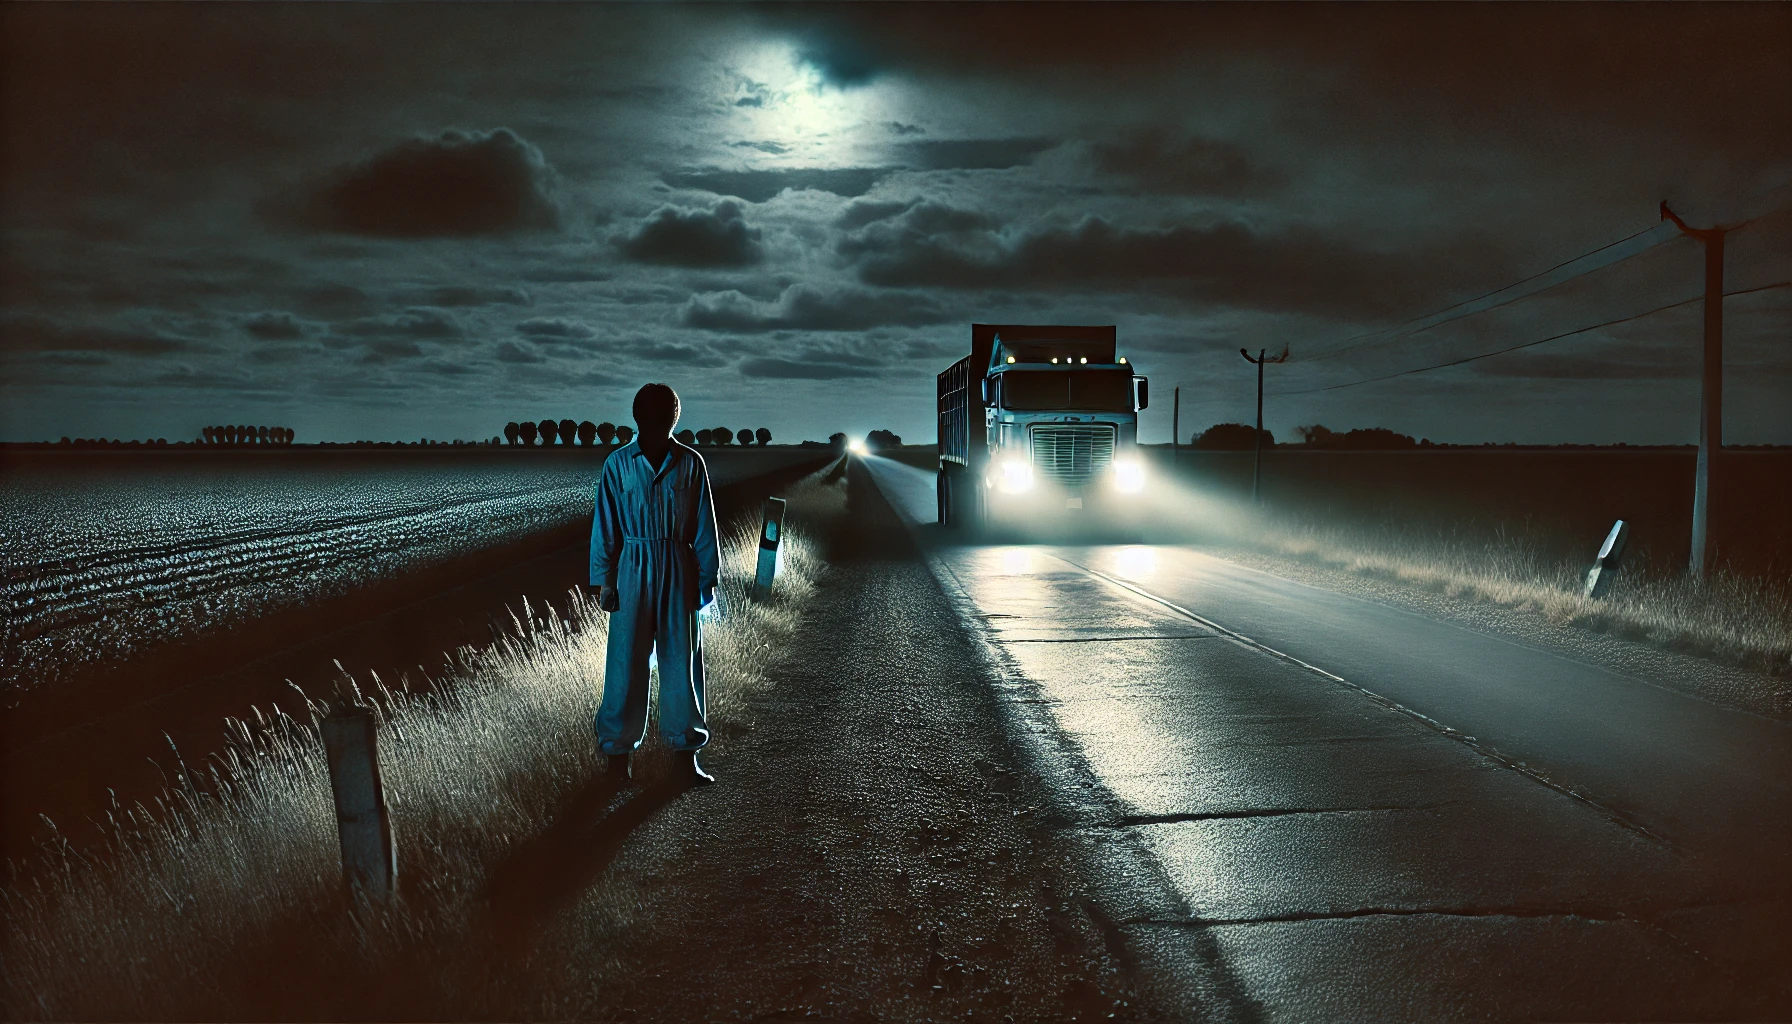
548,873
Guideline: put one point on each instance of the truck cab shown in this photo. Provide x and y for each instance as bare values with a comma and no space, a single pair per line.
1040,423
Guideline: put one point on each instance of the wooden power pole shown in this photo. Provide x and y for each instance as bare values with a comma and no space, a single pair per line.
1711,390
1257,467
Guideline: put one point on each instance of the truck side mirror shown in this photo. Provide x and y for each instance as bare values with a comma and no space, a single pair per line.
989,392
1142,386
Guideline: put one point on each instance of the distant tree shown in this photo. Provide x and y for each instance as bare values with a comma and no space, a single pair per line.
764,436
569,432
549,432
206,433
744,435
261,435
625,434
526,431
1231,437
706,436
587,433
837,441
512,432
1374,439
1315,435
686,437
878,440
606,432
721,435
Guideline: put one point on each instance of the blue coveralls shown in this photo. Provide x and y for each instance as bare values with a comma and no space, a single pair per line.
653,538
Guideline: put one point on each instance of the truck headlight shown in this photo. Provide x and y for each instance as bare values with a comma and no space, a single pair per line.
1014,475
1129,476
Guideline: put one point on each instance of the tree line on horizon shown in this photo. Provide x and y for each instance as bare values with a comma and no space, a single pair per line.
241,435
1239,437
565,433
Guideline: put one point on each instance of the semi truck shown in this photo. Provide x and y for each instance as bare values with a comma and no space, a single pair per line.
1039,423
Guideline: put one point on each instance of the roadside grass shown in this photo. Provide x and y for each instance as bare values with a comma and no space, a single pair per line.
225,900
1729,617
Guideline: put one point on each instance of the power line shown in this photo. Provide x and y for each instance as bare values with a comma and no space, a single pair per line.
1529,344
1655,236
1746,212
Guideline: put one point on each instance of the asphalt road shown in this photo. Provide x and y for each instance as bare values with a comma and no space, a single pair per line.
1300,805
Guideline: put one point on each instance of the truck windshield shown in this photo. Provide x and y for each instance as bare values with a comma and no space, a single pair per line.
1090,390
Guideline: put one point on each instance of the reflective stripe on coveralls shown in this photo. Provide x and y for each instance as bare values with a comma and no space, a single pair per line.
653,538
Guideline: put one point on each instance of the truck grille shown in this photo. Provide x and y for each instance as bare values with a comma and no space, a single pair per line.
1072,454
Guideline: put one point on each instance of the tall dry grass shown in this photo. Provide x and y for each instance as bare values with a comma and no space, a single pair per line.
1728,616
225,899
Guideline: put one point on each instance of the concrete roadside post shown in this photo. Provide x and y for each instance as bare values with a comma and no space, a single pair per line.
770,536
369,862
1599,577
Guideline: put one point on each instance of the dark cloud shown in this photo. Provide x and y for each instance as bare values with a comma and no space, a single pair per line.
1187,165
511,352
774,148
335,301
798,369
453,184
20,334
394,348
596,379
843,59
275,326
679,237
1507,68
555,327
570,274
683,355
900,128
805,307
971,154
861,212
475,295
1229,263
759,186
412,323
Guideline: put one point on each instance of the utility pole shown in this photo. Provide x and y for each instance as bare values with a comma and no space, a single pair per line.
1711,390
1257,469
1176,418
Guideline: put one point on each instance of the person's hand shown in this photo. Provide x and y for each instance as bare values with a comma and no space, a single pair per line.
607,598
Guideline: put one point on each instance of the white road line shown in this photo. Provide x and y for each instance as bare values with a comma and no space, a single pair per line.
1616,817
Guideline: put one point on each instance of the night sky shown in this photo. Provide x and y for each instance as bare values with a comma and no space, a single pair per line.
368,221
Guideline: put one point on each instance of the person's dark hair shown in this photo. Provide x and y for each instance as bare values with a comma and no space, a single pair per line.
656,408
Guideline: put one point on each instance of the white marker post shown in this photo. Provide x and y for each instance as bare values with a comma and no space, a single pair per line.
369,862
1600,576
769,538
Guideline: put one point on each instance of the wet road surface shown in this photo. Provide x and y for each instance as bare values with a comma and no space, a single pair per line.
1308,806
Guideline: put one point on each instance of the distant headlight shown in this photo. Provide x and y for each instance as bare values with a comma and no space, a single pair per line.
1014,475
1129,475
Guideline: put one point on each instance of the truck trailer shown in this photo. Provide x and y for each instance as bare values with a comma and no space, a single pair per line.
1039,423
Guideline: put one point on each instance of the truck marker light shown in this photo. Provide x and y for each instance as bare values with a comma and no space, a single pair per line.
1054,360
1085,359
1011,359
1123,359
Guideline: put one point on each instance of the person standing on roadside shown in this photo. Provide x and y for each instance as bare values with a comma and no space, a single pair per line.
655,561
